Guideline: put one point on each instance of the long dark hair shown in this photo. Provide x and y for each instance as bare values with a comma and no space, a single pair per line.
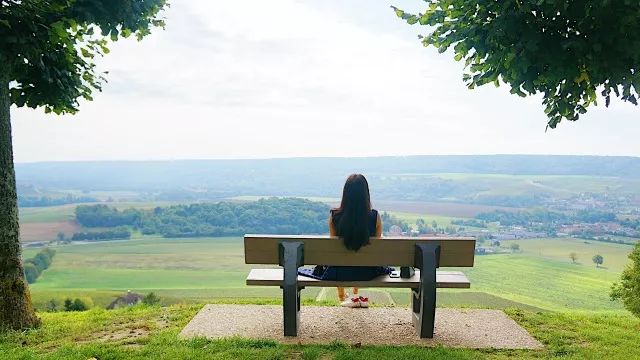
351,219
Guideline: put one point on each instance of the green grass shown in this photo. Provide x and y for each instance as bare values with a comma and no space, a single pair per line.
544,283
151,333
615,255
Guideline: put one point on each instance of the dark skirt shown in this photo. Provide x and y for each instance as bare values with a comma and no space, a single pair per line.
345,273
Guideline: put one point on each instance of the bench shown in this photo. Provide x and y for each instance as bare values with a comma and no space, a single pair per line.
424,253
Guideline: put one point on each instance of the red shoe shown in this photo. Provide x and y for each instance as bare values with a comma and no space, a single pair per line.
353,302
364,301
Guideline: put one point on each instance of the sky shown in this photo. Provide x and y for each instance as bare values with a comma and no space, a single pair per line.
287,78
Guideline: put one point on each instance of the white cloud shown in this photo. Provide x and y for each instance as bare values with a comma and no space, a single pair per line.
290,78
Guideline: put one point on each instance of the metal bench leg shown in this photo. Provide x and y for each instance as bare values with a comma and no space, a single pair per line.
424,299
291,257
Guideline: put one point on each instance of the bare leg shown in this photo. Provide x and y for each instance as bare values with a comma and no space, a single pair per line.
355,291
342,295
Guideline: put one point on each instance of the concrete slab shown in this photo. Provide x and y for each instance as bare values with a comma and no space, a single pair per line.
468,328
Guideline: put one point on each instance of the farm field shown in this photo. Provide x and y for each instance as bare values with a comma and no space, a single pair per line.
448,209
411,218
204,269
47,214
559,185
443,221
615,255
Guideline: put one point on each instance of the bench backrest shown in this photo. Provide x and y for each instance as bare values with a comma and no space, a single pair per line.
327,250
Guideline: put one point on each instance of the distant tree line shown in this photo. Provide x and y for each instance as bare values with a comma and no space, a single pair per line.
35,201
273,216
632,223
524,218
469,222
34,266
118,233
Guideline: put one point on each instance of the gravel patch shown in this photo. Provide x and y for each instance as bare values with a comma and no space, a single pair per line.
468,328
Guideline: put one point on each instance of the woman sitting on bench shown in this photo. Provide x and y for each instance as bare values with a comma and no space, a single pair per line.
354,221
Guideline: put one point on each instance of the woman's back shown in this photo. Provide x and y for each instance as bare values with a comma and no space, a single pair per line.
373,223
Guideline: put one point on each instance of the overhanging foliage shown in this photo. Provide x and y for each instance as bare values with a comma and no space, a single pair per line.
568,51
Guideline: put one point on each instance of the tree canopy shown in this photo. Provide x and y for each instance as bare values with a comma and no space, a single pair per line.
48,47
568,51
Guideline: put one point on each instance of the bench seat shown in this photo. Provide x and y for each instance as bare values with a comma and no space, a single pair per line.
444,279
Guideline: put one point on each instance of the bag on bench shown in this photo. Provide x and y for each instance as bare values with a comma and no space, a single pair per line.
345,273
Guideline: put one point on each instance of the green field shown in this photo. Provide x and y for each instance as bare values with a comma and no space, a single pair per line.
443,221
47,214
201,269
615,255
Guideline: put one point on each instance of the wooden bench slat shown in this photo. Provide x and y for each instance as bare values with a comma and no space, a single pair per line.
444,279
326,250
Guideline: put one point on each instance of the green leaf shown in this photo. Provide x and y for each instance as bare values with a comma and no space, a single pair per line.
399,13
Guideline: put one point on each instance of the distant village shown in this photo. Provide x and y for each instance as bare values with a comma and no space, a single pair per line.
587,216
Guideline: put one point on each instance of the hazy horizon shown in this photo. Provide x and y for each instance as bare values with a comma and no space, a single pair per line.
322,157
289,78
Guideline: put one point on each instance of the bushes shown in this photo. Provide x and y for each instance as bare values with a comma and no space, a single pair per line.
75,305
36,265
151,299
628,289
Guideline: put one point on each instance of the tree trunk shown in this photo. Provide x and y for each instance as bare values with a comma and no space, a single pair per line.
16,310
